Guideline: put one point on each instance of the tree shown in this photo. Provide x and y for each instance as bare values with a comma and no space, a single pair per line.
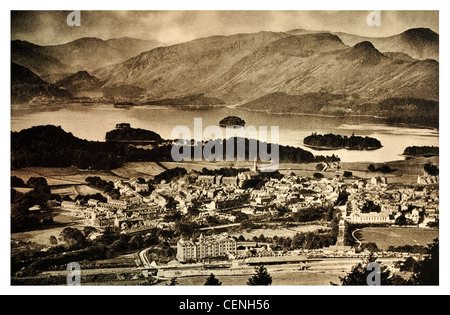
431,170
17,182
403,221
385,169
88,230
371,247
318,175
348,174
261,277
410,264
371,168
37,182
74,238
173,282
212,280
53,240
247,225
320,167
359,274
427,271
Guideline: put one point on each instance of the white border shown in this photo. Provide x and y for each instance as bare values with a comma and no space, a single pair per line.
229,5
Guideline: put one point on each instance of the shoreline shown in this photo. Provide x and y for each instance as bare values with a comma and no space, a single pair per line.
61,105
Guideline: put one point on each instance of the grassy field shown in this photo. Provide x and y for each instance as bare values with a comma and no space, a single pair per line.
290,278
280,232
42,237
61,176
406,171
390,236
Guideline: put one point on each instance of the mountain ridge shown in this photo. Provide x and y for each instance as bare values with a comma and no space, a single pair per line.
26,85
86,53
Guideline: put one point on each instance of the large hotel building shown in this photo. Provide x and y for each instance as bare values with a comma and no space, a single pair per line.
203,248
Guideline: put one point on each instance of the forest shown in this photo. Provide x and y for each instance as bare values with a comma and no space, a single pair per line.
51,146
332,141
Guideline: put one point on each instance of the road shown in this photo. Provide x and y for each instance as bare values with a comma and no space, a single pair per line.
220,227
144,258
356,239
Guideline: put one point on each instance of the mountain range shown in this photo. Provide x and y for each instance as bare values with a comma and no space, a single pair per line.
241,68
295,71
418,43
85,54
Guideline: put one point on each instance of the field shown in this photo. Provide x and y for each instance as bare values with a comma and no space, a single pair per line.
57,176
406,170
280,232
42,237
390,236
287,278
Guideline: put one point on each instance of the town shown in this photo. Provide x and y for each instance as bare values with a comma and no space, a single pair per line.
215,206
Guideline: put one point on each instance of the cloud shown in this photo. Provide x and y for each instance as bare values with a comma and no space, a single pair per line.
49,27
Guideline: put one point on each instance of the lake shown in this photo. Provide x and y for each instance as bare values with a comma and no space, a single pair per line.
91,122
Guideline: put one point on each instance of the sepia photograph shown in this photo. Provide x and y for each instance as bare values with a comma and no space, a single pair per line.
224,148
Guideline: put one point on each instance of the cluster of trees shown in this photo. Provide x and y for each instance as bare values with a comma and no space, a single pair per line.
226,172
425,272
315,214
422,151
77,246
408,111
318,175
17,182
287,154
385,169
21,218
431,169
339,141
85,198
232,121
170,175
370,206
103,185
51,146
309,240
133,134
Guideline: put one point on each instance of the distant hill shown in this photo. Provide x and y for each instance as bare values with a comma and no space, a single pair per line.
310,103
82,54
26,85
418,43
80,81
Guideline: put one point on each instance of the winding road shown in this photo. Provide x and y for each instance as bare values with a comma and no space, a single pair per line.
356,239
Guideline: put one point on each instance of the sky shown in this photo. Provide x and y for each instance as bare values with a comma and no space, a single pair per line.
171,27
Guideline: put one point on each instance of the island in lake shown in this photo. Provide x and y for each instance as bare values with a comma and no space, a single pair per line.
333,142
232,121
124,133
425,151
